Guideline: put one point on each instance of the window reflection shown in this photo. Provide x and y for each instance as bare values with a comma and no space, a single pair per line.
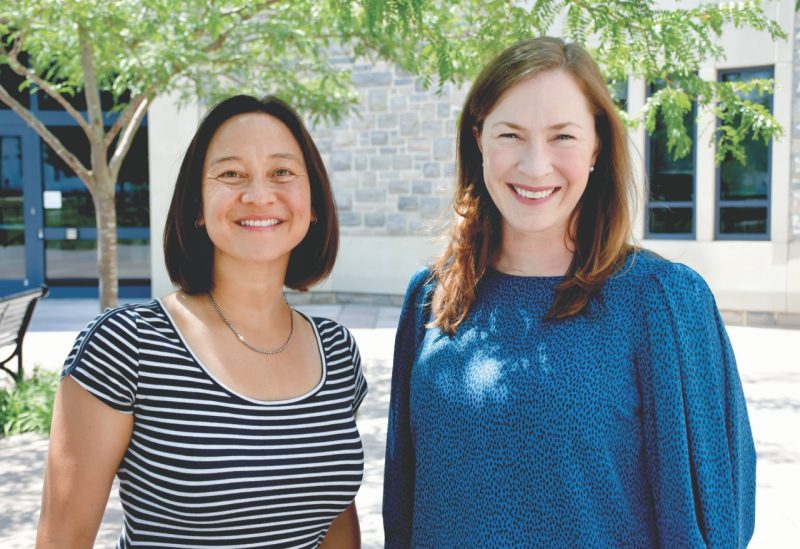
71,259
671,181
671,220
75,261
12,229
744,189
76,209
133,195
743,220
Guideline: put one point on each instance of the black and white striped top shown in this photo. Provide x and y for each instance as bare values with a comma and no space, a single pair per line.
208,467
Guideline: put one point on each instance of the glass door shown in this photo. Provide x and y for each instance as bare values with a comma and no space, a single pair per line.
48,232
12,211
70,233
15,257
69,222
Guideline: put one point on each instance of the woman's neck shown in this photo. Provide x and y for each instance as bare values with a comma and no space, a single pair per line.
532,255
254,296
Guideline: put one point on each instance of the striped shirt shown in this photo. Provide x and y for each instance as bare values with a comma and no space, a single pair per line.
208,467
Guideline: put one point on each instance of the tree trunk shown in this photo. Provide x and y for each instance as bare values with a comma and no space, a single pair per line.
106,216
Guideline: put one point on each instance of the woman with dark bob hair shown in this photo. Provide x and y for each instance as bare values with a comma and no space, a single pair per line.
227,416
553,385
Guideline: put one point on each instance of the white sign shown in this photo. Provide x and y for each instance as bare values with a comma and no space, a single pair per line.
52,200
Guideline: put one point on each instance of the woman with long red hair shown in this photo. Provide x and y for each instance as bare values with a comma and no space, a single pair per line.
554,385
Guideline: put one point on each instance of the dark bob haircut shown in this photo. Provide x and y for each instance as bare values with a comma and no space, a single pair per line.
189,252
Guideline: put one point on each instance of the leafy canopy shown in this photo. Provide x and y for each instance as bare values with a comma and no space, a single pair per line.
212,48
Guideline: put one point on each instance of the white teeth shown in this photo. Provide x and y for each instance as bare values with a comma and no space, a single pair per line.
532,194
258,222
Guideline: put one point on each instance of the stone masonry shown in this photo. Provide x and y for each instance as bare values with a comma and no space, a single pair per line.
391,160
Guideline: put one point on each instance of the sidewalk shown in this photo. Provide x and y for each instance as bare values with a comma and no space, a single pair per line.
769,363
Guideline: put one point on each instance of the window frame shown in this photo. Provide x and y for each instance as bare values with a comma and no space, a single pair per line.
669,204
751,203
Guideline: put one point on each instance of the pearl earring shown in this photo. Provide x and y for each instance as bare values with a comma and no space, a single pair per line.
591,169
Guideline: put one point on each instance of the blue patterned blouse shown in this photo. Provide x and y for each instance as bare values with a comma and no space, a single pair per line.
623,427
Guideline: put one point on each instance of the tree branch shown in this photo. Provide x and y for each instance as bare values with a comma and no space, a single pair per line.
133,107
124,118
44,85
90,87
126,139
70,159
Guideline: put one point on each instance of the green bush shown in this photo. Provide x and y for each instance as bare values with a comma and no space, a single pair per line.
28,406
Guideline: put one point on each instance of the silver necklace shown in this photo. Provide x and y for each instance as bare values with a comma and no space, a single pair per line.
241,338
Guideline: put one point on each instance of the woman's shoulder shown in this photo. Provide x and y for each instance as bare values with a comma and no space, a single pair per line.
651,286
331,332
420,285
421,277
123,324
645,269
113,339
129,315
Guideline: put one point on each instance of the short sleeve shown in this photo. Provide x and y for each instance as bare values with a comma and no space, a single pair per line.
360,388
698,442
104,359
400,463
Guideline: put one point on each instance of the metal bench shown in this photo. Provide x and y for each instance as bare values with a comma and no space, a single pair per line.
15,314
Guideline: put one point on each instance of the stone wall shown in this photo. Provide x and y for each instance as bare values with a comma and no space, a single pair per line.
391,160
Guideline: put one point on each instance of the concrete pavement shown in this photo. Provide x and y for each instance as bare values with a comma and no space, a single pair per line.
769,363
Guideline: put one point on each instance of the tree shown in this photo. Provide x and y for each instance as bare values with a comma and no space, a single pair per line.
139,49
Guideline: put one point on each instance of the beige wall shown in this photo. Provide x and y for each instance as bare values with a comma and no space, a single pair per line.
170,131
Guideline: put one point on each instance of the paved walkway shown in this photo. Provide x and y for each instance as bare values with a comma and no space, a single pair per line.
769,363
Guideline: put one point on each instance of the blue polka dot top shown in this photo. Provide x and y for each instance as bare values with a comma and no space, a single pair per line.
623,427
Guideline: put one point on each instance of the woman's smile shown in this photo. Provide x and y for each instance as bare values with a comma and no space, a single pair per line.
533,195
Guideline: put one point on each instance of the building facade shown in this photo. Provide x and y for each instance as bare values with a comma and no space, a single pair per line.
392,168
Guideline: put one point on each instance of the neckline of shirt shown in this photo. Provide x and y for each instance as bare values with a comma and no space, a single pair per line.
491,272
294,400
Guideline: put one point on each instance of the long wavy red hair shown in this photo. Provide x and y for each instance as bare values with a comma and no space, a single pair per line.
601,222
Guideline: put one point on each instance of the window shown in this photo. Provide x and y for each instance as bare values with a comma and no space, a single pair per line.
73,262
78,101
11,81
65,253
619,93
743,191
671,184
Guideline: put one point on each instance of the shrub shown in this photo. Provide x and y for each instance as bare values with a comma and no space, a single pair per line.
27,407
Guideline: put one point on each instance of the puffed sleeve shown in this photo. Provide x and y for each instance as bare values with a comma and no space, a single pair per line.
105,359
398,480
700,453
